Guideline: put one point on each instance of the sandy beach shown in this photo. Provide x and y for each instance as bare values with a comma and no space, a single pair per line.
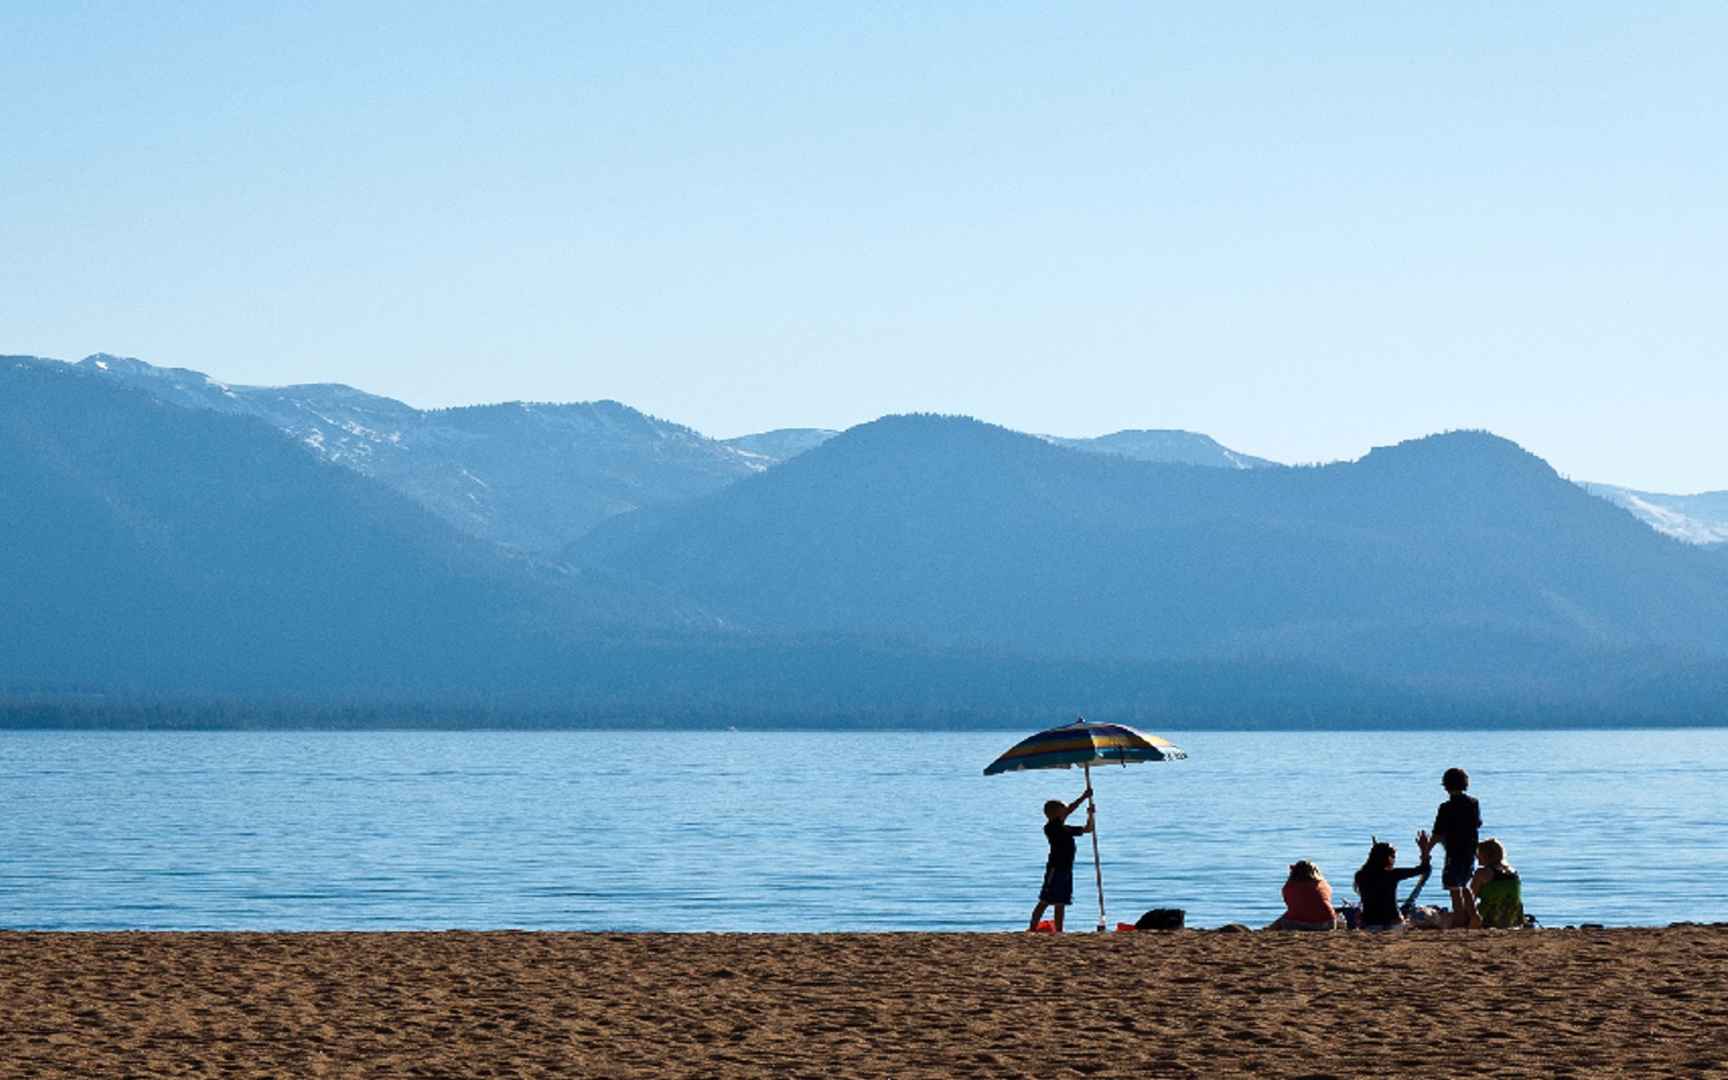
1543,1003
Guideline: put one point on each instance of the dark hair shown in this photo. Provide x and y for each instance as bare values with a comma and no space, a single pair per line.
1377,856
1053,804
1303,870
1455,779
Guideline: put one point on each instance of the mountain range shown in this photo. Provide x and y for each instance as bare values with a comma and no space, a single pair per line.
174,537
531,476
1441,554
534,476
152,547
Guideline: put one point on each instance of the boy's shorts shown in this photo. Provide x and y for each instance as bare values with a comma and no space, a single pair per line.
1458,870
1058,886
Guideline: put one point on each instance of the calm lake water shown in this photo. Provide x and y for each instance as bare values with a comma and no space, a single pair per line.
808,831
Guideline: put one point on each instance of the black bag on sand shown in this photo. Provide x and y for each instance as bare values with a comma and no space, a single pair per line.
1161,918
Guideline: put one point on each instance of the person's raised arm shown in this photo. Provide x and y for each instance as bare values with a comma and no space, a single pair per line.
1075,805
1091,821
1425,844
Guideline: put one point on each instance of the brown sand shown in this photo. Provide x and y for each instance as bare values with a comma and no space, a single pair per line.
1544,1003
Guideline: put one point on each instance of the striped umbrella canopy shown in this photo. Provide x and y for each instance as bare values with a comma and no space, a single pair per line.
1082,743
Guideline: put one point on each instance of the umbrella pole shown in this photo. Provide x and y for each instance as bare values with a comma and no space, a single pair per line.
1097,867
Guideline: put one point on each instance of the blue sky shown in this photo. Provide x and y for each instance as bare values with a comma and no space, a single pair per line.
1303,229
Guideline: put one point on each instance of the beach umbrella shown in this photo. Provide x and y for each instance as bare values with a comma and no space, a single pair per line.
1082,743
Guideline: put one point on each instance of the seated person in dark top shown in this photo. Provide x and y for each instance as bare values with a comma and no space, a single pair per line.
1058,890
1456,825
1307,900
1377,882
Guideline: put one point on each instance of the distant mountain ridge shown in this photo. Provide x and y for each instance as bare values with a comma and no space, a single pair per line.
156,548
915,570
782,444
530,476
536,476
1172,446
1437,555
1160,445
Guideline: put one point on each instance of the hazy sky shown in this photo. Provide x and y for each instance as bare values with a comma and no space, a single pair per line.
1303,229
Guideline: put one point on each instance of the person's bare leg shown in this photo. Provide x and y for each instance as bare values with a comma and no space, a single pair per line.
1038,913
1464,915
1058,918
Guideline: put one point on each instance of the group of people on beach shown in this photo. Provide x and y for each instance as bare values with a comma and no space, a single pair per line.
1485,890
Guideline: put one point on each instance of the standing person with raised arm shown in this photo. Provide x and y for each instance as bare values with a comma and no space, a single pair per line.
1058,890
1457,827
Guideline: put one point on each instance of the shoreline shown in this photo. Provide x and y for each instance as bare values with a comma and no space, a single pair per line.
1646,1001
1075,930
735,725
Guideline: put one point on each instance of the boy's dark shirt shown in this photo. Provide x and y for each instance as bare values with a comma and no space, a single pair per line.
1061,837
1457,825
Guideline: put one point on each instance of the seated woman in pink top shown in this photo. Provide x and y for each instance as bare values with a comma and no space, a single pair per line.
1307,900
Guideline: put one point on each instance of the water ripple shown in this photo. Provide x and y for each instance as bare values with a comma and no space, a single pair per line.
805,831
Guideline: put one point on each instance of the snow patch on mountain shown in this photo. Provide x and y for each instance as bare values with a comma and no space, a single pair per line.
1696,519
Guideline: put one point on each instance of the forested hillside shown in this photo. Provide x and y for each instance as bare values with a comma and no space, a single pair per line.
1454,556
150,547
173,566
